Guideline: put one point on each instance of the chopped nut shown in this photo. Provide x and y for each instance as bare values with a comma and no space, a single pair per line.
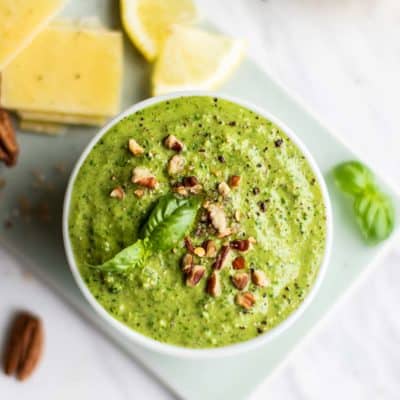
194,277
238,263
218,219
135,147
214,284
181,190
240,280
176,164
224,189
252,240
221,257
240,245
210,248
237,216
190,181
259,278
118,193
234,181
143,177
187,263
246,300
196,189
199,251
189,245
172,143
139,193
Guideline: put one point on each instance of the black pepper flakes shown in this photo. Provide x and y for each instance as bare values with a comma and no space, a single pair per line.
221,159
232,123
263,206
256,190
278,143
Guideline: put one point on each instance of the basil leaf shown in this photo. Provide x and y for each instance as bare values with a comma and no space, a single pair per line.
353,177
132,256
375,215
170,220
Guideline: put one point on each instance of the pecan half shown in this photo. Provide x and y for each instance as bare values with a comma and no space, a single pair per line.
259,278
118,193
239,263
9,148
246,300
195,274
240,245
135,148
143,177
221,258
240,280
171,142
24,347
214,285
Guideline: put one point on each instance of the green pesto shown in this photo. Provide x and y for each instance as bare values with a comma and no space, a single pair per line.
279,200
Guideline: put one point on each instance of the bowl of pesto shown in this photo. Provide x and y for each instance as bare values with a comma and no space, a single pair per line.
197,225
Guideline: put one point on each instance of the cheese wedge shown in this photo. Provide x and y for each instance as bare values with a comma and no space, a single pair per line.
74,119
66,70
48,128
20,21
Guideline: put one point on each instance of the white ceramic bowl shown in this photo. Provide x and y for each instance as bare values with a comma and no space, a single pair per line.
178,351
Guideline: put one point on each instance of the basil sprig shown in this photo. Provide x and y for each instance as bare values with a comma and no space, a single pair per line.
373,209
167,224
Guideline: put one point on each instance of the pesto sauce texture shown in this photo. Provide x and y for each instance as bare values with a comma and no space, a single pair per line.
280,205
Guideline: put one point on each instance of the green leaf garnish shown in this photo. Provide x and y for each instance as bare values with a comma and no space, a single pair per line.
132,256
170,220
353,177
375,215
167,224
373,209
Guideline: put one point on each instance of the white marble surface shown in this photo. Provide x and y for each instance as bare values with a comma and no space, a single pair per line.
343,58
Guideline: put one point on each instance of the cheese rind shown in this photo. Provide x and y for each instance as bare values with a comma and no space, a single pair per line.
74,119
20,21
48,128
66,70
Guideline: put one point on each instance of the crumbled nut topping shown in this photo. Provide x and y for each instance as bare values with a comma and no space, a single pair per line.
195,275
246,300
240,280
181,190
196,189
135,147
240,245
218,219
234,181
187,263
171,142
237,215
239,263
210,248
259,278
221,257
199,251
176,164
224,189
139,193
214,285
118,193
190,181
143,177
189,245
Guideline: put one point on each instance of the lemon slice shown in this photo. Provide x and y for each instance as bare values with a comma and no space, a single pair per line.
148,22
193,59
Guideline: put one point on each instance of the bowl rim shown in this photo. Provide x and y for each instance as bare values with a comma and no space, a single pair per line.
175,350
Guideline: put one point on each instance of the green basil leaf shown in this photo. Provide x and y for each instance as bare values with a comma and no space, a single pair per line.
353,177
132,256
170,220
375,215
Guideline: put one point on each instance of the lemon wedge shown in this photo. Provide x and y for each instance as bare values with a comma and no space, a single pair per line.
193,59
148,22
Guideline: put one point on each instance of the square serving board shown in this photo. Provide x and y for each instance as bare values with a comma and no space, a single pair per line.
41,177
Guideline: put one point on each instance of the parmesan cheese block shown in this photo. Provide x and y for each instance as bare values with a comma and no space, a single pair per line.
74,119
48,128
67,70
20,21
